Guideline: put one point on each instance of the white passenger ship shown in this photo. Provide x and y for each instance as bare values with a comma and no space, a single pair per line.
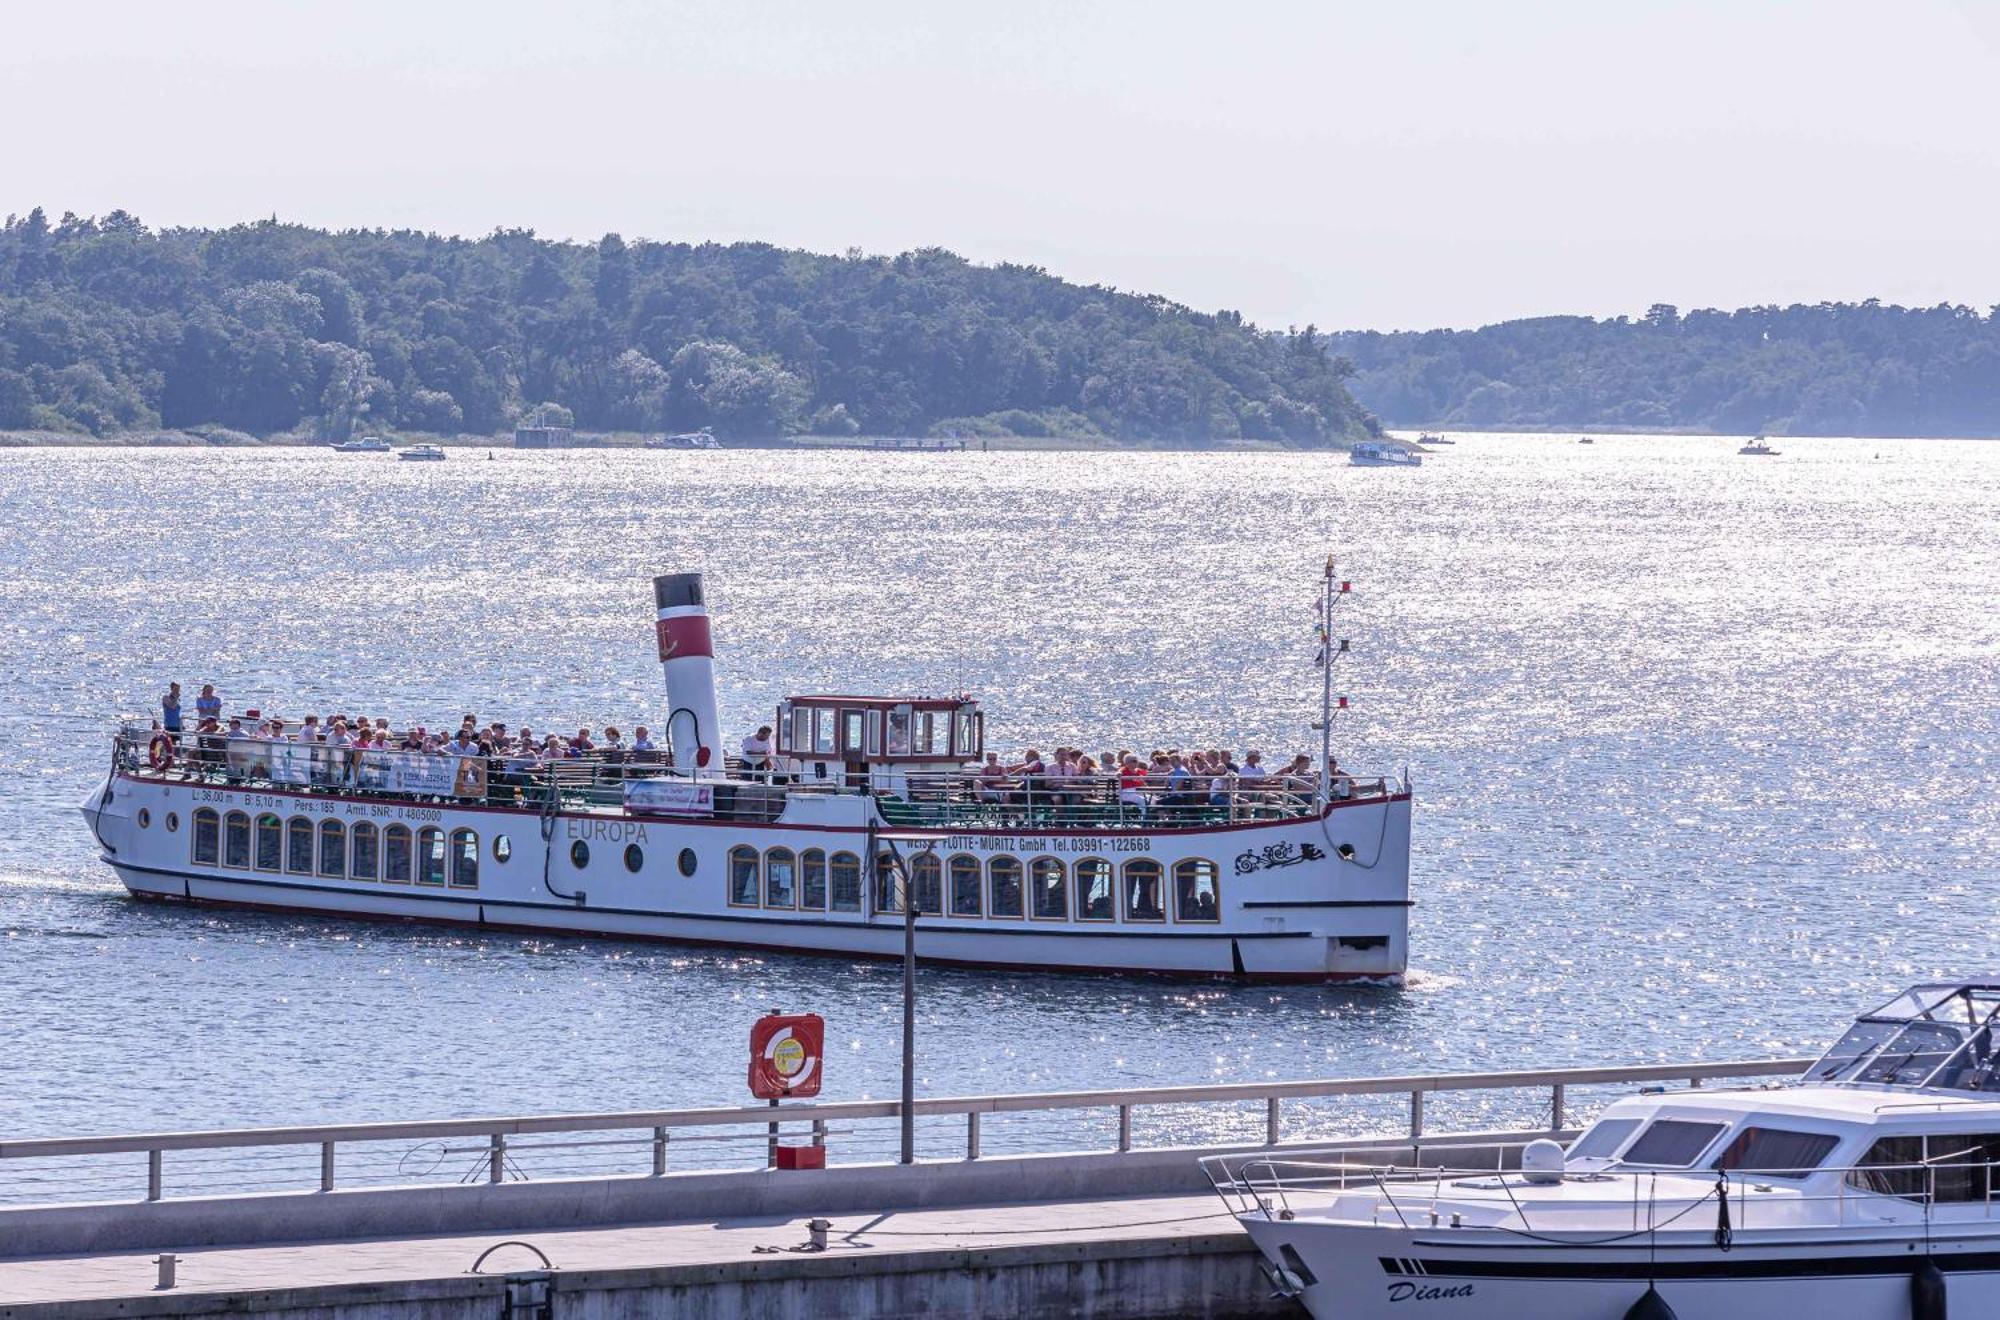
1269,880
1865,1190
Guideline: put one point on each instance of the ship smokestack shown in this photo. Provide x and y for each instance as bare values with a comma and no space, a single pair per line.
688,657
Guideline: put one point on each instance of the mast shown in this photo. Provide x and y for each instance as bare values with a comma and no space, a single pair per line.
1325,788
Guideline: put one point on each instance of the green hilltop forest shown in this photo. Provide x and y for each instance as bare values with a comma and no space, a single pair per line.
272,329
1829,369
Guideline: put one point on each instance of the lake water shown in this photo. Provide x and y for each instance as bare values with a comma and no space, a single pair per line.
1704,747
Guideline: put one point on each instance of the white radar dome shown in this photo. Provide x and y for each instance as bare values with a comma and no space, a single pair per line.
1542,1161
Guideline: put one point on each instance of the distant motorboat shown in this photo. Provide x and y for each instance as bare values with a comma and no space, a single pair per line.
1759,448
685,440
1586,440
1379,453
422,453
1428,439
367,444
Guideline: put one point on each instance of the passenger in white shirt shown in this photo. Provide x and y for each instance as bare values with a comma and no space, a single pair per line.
757,749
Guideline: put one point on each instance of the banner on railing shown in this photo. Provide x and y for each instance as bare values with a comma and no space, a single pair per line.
670,797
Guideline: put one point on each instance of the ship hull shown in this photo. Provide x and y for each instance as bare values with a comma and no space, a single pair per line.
1371,1272
1290,906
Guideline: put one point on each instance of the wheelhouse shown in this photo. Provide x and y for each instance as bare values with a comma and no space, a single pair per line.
878,743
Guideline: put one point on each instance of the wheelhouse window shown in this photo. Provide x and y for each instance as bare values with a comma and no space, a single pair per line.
206,838
430,856
299,846
781,879
364,859
850,733
743,876
1004,887
844,882
270,842
396,855
332,849
801,730
1672,1143
899,731
1893,1166
1197,891
464,859
1095,900
964,869
1145,890
1775,1152
236,840
927,884
812,880
822,731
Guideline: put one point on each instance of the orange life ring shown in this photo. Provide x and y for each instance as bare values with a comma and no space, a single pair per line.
160,751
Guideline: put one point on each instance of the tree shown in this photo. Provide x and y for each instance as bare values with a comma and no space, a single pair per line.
17,399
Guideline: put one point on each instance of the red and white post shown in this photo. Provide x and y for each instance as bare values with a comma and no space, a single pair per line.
687,654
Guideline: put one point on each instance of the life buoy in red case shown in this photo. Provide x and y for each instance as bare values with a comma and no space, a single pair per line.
160,752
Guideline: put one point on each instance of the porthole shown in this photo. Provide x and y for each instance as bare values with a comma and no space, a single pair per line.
687,861
579,854
503,848
145,819
173,821
635,857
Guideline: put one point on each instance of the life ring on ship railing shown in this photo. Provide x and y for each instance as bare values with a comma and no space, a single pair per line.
160,751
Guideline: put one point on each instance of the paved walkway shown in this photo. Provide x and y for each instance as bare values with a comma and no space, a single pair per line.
381,1260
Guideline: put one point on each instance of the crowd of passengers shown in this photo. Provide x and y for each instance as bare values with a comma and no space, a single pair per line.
1168,779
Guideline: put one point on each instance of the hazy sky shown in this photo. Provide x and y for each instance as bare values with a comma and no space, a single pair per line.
1388,164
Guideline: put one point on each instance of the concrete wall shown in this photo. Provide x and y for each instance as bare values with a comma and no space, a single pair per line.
591,1202
1211,1275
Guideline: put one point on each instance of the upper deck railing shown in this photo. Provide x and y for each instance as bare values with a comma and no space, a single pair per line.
612,782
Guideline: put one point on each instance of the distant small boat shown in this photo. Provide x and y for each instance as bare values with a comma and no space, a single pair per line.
422,453
685,440
367,444
1377,453
1758,447
1428,439
1585,440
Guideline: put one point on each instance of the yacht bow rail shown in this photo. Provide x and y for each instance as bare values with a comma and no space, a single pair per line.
940,800
324,1157
1410,1195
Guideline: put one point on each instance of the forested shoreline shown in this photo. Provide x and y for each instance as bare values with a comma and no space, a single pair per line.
274,330
1826,369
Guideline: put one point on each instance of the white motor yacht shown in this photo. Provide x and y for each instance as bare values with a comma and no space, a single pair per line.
367,444
422,453
1868,1189
1760,448
1383,453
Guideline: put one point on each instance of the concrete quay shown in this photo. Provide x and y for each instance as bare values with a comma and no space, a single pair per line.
1123,1257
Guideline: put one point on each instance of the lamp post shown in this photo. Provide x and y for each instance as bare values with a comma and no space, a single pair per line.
909,1155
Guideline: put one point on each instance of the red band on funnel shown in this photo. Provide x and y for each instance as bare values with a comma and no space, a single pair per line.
685,636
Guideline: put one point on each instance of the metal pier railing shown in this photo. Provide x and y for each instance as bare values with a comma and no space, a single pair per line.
325,1157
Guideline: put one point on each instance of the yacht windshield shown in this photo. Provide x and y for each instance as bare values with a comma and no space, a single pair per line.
1918,1050
1852,1050
1935,1036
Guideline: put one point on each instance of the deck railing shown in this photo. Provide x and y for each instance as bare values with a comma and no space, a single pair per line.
1627,1201
324,1157
918,799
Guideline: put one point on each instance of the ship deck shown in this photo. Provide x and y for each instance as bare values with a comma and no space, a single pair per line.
937,801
